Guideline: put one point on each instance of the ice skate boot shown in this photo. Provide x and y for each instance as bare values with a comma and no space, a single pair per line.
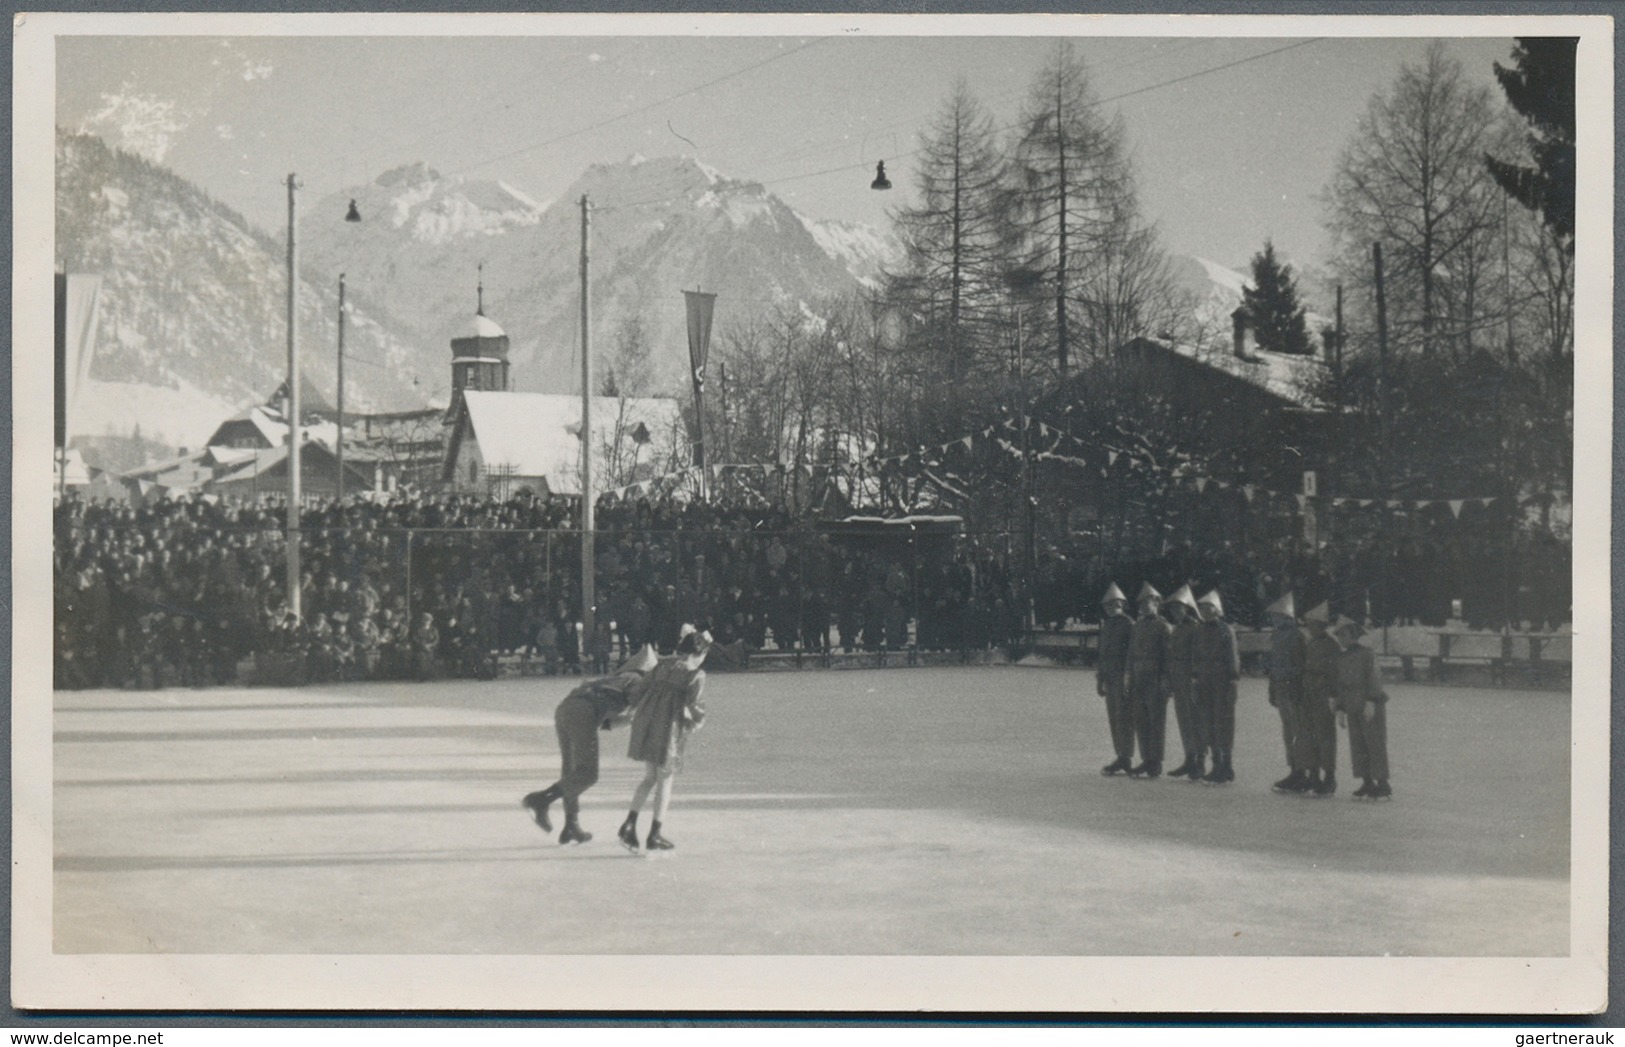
628,833
657,842
537,804
1115,768
1326,786
1292,783
573,833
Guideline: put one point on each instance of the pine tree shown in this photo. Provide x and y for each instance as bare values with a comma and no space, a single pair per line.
1272,305
1076,225
1540,86
951,277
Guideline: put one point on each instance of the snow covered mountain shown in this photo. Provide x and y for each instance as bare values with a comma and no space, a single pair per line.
191,324
192,315
658,227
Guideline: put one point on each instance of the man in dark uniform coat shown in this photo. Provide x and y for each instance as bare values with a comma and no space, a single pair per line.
1148,681
1181,668
1286,692
1362,707
1115,629
1218,667
1321,654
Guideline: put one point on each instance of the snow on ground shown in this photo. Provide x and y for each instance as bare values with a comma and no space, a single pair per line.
924,811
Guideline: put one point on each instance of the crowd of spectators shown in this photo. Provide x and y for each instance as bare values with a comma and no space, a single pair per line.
191,591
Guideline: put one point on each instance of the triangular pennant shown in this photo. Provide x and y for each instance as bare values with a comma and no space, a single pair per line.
1111,457
1338,502
1365,503
1247,490
1302,499
1455,507
1201,484
1423,505
1484,503
967,442
1394,503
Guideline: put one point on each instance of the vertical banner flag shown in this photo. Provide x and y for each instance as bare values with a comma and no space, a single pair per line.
78,305
700,305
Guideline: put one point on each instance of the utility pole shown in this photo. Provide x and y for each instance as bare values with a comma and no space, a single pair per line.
1337,387
294,573
1026,474
1382,424
588,595
727,428
1382,365
339,444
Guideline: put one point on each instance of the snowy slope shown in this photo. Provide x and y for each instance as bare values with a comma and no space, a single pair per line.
192,316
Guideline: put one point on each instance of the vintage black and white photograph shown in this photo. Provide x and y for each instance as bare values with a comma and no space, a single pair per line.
812,513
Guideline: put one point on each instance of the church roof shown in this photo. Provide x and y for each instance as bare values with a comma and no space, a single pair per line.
536,434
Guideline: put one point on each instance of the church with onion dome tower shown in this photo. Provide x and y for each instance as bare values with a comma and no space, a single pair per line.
500,442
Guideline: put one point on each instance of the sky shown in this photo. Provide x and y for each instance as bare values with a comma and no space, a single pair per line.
1233,138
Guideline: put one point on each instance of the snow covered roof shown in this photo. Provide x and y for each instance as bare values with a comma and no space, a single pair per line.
274,428
1288,376
485,327
537,434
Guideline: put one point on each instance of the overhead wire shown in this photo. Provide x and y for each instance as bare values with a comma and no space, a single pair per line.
531,92
642,108
916,120
863,165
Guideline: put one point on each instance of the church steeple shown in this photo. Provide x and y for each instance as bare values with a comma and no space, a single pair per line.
479,359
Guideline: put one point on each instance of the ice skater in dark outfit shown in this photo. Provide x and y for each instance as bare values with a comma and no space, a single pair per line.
591,707
1111,682
1148,682
1362,707
1181,670
1321,655
1287,652
1218,667
667,711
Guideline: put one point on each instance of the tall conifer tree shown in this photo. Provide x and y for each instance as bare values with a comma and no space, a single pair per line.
1272,305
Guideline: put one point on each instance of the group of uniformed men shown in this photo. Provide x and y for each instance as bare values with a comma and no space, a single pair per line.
1320,675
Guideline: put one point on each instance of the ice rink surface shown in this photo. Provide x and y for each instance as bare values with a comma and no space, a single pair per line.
926,811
